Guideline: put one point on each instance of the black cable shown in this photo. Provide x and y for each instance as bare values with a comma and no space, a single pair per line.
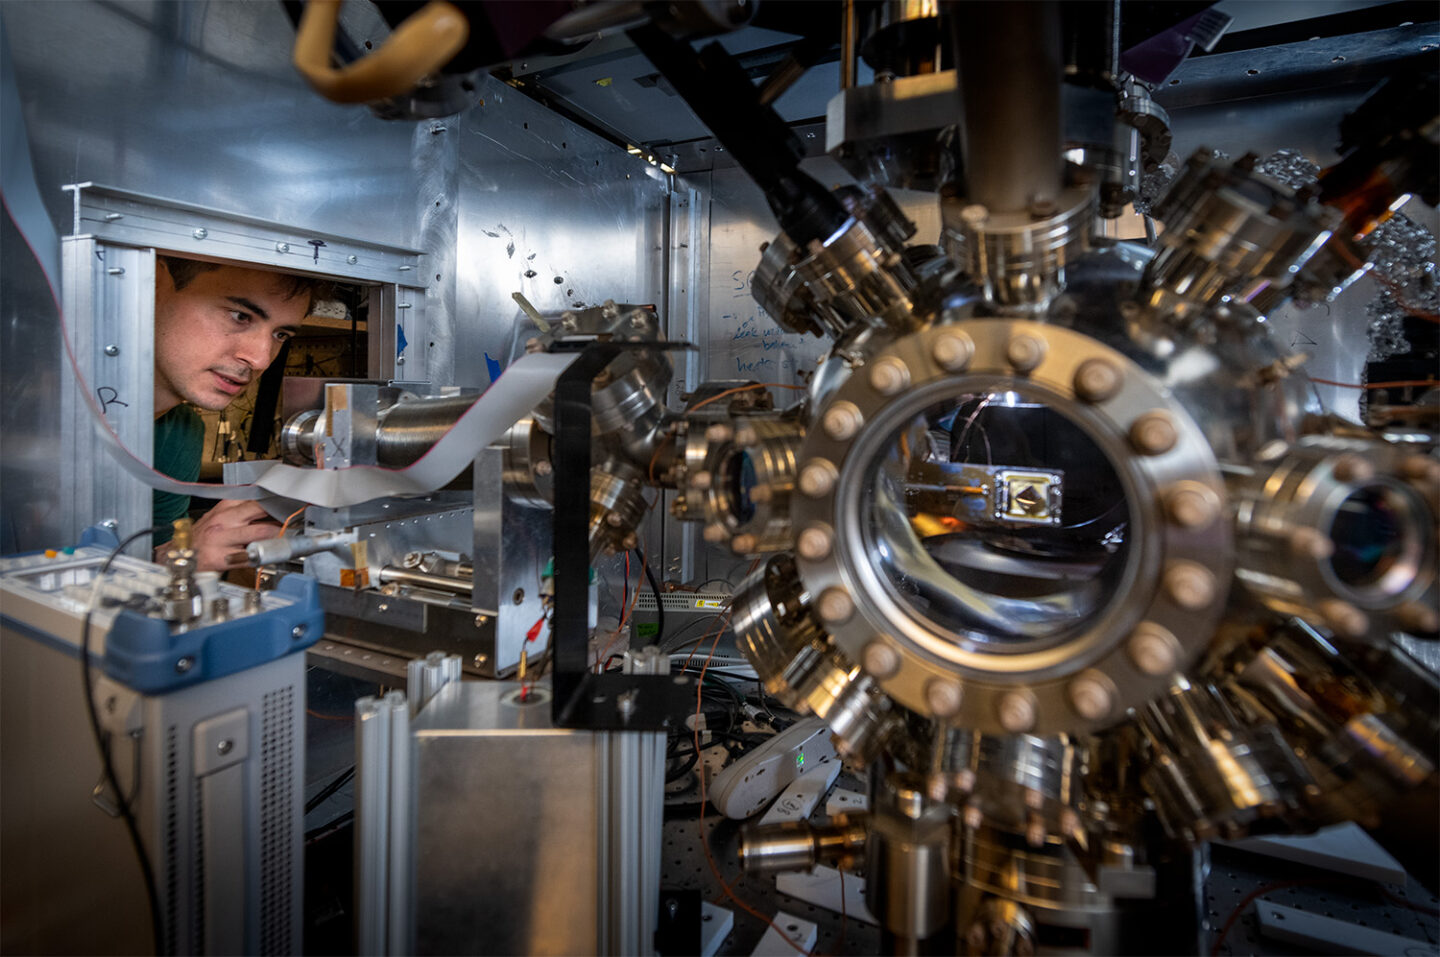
329,790
659,607
102,745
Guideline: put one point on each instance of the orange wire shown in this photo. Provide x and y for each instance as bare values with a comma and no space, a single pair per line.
286,524
290,518
624,616
745,388
1399,384
705,844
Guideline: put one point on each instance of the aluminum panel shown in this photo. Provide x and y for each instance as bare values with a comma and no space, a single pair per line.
550,211
492,878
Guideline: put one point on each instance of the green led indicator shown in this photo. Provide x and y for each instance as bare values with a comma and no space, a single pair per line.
800,760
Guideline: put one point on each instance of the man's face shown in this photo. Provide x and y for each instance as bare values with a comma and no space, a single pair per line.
219,332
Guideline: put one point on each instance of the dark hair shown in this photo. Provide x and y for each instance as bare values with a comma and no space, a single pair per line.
183,272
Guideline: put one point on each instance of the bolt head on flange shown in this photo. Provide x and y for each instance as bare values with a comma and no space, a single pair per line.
1153,434
1153,649
818,477
1092,695
835,605
880,660
943,697
1025,352
1097,380
1189,585
841,421
815,542
889,376
1016,711
1344,619
953,351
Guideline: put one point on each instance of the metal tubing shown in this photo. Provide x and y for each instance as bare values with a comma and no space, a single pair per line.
406,576
1009,61
799,845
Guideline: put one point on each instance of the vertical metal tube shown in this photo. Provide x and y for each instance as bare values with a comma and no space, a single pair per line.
372,823
400,907
1009,61
847,46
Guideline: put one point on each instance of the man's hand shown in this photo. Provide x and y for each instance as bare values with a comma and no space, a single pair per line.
226,528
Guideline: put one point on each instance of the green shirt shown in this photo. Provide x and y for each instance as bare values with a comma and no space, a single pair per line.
179,440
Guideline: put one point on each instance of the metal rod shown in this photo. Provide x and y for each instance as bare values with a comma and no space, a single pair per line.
406,576
1009,60
847,46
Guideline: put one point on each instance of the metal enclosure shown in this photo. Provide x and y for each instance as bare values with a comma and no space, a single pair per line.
221,822
197,103
109,304
577,872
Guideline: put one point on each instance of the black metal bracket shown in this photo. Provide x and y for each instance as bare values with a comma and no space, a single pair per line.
583,699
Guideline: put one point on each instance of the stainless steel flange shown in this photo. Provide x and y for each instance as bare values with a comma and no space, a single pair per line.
739,475
1341,532
1165,602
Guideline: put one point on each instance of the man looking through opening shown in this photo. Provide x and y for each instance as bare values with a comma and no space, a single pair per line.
217,327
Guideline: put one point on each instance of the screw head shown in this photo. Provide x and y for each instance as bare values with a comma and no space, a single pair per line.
1154,433
544,467
519,596
942,697
112,350
841,421
974,215
745,436
352,259
880,660
1097,380
835,605
1025,352
1153,649
1092,695
889,376
282,247
815,542
299,631
225,746
1016,711
200,233
1190,586
613,519
184,664
818,478
952,351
